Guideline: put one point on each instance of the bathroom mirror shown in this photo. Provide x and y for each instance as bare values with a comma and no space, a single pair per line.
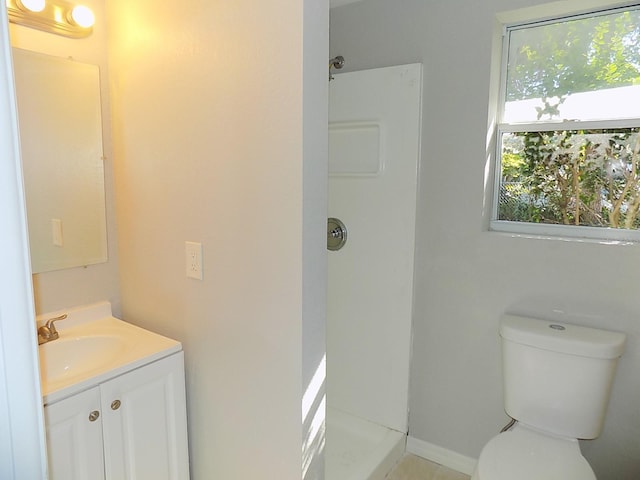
61,140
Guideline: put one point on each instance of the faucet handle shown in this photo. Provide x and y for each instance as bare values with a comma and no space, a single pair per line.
50,324
48,332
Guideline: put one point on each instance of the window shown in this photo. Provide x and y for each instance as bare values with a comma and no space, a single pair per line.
568,131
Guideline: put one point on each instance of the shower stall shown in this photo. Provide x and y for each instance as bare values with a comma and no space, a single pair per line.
374,143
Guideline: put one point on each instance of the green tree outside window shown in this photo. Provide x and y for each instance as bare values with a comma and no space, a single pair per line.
587,177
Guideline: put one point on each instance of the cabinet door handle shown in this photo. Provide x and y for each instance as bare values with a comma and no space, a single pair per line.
93,416
115,405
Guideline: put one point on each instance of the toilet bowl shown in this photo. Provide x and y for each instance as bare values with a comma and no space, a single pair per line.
557,382
523,453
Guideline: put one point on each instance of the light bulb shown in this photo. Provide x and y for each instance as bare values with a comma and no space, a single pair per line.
33,5
82,16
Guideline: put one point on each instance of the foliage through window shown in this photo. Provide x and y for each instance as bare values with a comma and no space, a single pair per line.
568,138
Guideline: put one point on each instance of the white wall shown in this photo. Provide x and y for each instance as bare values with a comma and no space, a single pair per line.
315,121
213,139
77,286
21,416
467,277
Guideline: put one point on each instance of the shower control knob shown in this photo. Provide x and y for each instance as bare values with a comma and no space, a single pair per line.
336,234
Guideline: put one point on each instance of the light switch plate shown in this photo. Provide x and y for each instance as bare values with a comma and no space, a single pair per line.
56,232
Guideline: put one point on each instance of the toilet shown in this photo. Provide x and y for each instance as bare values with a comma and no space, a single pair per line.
557,381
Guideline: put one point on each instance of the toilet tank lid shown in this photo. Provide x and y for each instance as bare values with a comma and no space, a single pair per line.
562,337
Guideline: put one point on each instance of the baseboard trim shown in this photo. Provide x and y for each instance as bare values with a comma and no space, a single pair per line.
441,456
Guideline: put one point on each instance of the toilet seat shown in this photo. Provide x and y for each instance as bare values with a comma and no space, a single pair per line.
526,454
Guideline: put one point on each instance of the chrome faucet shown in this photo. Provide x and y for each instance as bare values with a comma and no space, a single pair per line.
48,332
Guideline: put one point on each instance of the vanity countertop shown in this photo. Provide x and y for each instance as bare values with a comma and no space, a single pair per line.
94,347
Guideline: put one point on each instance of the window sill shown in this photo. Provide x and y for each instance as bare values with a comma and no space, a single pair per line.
566,233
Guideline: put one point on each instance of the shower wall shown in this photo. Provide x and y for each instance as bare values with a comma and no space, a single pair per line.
373,157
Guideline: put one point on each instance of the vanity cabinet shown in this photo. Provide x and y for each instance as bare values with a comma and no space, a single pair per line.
74,443
131,427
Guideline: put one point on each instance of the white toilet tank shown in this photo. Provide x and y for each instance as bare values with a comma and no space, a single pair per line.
557,376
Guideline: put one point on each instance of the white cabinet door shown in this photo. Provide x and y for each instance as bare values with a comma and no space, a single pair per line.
144,423
74,437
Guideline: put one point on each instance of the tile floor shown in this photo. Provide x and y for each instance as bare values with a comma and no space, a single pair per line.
416,468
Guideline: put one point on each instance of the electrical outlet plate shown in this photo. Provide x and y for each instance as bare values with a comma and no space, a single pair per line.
193,259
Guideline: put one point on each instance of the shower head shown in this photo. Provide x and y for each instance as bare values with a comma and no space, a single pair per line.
337,63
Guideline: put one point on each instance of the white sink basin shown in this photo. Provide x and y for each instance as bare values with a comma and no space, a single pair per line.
69,358
94,347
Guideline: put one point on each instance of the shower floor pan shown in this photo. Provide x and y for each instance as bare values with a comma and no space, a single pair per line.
357,449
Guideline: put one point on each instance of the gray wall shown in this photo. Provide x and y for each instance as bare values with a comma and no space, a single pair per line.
466,277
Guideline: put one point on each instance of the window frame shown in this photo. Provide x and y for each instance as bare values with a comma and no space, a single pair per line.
546,230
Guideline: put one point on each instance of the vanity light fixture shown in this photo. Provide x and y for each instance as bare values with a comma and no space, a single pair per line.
82,16
33,5
53,16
